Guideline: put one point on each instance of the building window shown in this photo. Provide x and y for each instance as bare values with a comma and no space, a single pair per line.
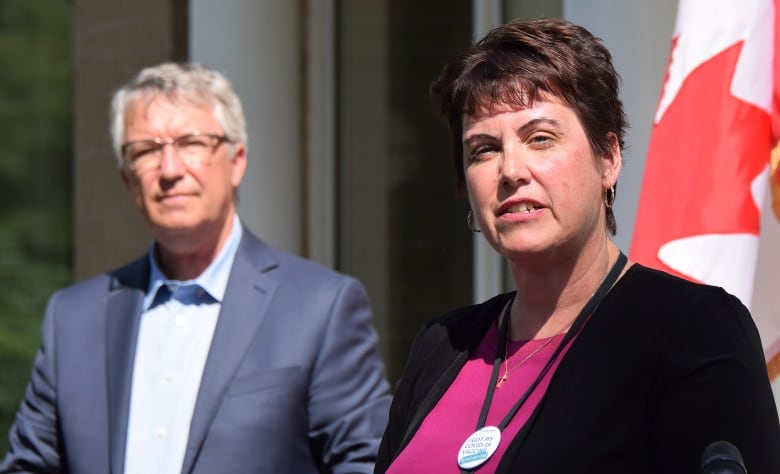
401,230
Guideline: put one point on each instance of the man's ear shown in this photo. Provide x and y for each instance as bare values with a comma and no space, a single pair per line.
239,164
125,178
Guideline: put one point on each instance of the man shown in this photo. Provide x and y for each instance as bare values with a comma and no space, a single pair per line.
213,353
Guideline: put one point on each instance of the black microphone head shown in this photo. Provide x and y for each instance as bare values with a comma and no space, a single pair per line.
722,457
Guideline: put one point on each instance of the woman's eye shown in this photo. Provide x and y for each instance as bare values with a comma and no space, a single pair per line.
540,140
481,153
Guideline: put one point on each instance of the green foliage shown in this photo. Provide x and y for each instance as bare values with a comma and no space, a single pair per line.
35,181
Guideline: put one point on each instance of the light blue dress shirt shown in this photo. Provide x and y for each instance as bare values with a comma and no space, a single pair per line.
174,337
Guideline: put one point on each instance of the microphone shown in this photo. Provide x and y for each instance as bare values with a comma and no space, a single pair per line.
722,457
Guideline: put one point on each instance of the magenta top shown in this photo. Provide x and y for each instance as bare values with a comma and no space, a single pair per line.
435,446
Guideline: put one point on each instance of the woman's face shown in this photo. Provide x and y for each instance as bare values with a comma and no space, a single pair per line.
533,181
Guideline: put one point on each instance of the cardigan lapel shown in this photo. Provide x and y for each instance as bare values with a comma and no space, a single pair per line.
123,314
459,337
247,297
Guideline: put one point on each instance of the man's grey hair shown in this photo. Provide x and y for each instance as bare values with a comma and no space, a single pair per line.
189,83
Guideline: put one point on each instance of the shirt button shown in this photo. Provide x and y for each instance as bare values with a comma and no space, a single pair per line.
160,432
180,320
169,377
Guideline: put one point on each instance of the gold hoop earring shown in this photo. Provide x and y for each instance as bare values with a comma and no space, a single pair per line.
609,196
470,222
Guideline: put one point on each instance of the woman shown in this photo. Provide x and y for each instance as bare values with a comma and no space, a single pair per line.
594,364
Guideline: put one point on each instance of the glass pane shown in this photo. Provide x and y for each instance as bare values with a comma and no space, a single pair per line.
35,182
401,229
514,9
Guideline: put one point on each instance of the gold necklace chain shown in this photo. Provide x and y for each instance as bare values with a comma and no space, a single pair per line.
507,372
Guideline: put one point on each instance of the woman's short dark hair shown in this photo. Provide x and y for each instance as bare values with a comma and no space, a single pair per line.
518,62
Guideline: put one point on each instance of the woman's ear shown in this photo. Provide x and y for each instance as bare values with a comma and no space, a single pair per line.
612,161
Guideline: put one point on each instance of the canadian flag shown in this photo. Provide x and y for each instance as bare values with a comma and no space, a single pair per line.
711,165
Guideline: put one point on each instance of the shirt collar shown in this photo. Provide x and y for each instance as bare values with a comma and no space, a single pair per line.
213,279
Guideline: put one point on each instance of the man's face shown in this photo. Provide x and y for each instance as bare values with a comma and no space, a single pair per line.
181,198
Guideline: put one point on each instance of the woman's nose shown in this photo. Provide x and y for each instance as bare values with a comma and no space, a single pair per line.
514,167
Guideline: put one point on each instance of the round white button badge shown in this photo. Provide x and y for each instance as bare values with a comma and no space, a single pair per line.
479,447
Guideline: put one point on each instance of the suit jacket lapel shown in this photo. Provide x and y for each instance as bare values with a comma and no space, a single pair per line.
123,314
247,297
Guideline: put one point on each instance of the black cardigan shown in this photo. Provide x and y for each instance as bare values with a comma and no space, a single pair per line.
663,368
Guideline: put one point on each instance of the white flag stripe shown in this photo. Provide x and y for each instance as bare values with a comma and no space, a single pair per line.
726,260
704,28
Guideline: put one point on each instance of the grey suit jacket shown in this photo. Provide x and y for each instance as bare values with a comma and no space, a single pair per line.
293,382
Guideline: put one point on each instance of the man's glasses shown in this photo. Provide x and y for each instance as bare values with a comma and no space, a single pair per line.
194,149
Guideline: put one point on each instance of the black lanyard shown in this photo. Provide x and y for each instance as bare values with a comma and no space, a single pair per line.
589,307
